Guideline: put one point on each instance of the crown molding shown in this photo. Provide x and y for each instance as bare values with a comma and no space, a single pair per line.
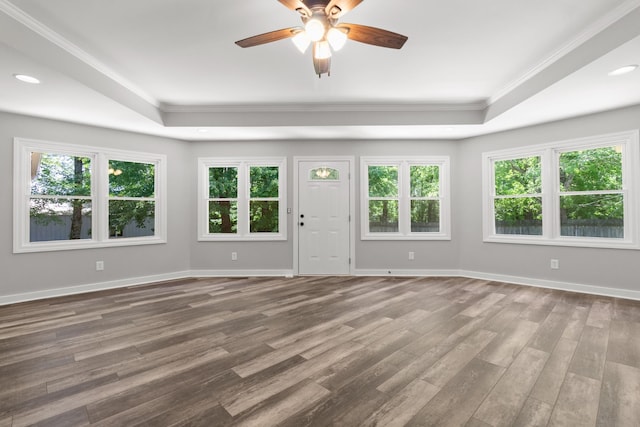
50,35
380,107
601,24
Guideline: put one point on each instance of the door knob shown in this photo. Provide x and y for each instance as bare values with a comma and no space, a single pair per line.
301,224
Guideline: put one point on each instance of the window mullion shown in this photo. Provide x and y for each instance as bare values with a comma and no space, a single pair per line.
244,198
100,197
403,199
550,199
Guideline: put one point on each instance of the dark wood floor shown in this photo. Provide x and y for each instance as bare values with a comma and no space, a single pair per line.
316,351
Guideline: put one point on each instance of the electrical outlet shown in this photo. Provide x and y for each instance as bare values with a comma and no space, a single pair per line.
234,256
412,256
99,265
555,264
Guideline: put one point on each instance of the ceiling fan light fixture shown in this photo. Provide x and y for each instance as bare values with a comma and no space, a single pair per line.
322,50
302,41
315,29
336,38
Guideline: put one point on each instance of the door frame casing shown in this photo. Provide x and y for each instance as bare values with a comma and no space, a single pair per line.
352,209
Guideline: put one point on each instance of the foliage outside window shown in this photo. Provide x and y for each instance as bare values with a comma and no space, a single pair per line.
132,203
577,192
518,196
405,199
242,199
71,197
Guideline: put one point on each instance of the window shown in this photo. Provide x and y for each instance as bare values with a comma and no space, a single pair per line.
405,199
72,197
577,193
242,199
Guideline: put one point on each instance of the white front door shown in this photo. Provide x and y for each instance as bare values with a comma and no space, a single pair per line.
323,217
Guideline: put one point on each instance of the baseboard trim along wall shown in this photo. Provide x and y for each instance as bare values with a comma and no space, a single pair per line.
92,287
551,284
516,280
527,281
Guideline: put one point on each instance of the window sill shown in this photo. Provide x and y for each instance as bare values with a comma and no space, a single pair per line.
567,242
278,238
395,236
87,244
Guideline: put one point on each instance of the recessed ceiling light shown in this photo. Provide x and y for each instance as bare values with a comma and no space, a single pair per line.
623,70
27,79
202,130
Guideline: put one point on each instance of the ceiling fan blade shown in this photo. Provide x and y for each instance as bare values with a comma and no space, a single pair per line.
374,36
337,8
272,36
296,5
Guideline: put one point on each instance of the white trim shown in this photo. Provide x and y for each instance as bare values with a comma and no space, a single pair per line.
549,158
404,163
92,287
243,198
600,25
99,195
553,284
405,272
352,204
145,280
47,33
241,273
311,107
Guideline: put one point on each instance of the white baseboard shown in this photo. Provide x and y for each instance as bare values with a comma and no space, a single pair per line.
92,287
551,284
527,281
241,273
404,272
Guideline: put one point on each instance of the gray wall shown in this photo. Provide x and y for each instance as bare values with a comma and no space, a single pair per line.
279,255
599,267
31,272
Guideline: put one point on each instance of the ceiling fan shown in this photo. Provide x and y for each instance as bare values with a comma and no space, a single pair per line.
321,28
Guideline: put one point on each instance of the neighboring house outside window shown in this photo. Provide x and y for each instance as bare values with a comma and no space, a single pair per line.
72,197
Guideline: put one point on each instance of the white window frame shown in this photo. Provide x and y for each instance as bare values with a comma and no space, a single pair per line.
243,165
550,158
99,196
404,197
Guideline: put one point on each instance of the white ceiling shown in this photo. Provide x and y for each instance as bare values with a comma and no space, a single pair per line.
171,68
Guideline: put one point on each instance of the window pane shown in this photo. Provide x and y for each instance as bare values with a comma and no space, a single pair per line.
60,175
522,215
59,219
223,217
223,183
595,169
383,181
518,176
600,215
324,174
425,181
264,181
383,216
425,216
131,179
263,216
131,218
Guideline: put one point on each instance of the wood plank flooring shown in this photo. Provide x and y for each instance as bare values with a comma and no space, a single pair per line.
322,351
